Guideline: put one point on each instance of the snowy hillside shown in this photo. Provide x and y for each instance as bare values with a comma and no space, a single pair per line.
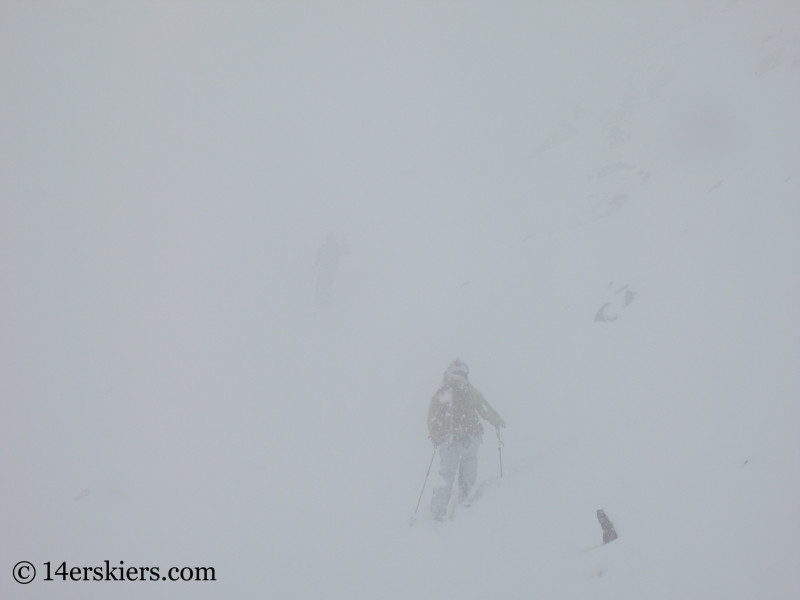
597,207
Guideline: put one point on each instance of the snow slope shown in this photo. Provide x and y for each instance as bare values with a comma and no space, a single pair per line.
596,207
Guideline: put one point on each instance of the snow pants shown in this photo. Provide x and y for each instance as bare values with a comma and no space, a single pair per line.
455,457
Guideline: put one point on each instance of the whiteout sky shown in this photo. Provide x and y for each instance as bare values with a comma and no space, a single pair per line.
593,204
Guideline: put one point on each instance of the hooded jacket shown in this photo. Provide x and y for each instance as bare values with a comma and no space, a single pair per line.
454,410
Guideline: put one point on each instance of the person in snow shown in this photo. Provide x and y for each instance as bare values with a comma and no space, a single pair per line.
456,430
326,266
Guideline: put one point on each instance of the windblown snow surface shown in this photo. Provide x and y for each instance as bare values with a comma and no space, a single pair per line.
595,205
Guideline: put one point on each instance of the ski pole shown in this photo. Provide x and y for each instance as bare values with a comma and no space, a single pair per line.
499,450
424,483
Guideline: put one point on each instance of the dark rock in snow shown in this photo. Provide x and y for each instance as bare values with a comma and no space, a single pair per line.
609,533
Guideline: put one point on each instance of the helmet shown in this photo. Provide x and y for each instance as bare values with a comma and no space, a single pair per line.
458,368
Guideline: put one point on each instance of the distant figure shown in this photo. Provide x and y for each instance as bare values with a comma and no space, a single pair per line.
326,266
456,430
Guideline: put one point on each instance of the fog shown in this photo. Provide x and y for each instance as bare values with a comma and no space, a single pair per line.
242,241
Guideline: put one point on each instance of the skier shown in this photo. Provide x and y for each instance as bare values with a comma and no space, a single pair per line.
326,267
456,430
